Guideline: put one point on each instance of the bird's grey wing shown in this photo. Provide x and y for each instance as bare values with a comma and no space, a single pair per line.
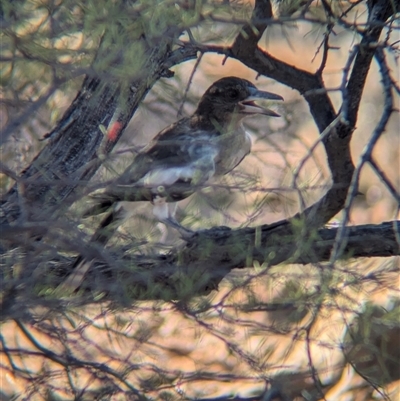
182,162
177,162
169,147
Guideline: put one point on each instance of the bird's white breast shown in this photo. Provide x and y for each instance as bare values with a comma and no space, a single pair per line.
234,146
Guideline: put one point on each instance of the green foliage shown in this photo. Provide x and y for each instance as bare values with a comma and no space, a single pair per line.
372,344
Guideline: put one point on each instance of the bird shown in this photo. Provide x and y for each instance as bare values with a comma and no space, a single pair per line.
188,154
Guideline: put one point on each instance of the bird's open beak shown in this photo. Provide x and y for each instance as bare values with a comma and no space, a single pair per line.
248,106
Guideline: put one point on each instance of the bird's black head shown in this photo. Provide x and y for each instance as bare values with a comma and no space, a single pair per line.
233,95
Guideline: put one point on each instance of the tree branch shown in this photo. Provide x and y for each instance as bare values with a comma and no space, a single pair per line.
337,141
379,12
213,253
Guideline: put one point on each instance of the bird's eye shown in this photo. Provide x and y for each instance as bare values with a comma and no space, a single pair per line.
233,93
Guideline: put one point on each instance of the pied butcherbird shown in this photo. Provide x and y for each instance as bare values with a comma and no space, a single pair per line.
188,154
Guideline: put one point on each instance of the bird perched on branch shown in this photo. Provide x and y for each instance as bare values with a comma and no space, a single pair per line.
186,155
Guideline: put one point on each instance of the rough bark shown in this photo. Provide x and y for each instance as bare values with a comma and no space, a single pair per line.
213,253
70,158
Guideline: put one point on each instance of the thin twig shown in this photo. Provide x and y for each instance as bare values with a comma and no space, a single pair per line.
340,242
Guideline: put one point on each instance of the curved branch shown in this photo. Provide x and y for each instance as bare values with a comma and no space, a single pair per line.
213,253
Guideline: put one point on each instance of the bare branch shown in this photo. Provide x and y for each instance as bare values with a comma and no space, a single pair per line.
366,155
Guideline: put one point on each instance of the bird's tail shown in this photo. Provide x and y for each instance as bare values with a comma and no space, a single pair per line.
101,202
108,226
115,215
98,208
83,263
